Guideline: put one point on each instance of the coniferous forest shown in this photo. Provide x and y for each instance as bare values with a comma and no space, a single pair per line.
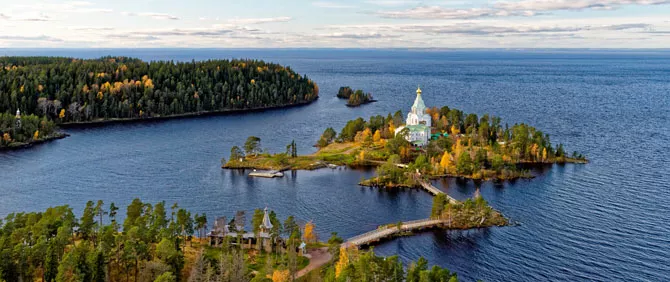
162,242
67,90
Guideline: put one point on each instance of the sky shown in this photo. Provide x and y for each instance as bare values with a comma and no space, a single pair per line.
335,24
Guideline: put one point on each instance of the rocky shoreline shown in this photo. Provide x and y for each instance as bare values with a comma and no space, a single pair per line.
24,145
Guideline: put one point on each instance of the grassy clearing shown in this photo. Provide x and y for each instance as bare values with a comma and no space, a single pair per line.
336,153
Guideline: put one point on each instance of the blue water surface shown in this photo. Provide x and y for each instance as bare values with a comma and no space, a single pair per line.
605,221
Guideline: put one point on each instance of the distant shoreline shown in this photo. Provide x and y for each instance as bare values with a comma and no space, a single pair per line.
105,122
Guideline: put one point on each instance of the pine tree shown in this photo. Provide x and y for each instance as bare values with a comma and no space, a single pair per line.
51,264
87,221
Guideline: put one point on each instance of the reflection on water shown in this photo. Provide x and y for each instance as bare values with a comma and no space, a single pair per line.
604,221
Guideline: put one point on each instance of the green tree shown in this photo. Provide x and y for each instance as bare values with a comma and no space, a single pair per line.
166,277
351,128
415,269
185,223
438,205
464,164
99,211
166,252
291,228
158,221
200,224
252,145
329,135
98,265
74,266
236,153
112,213
334,243
52,262
87,221
497,163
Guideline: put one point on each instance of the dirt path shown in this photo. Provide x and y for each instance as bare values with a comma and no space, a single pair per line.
318,257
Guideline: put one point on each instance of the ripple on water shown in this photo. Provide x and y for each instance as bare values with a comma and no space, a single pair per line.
605,221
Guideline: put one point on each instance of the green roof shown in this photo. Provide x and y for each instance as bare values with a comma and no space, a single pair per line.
418,127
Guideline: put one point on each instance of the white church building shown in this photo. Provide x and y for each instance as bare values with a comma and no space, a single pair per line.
418,122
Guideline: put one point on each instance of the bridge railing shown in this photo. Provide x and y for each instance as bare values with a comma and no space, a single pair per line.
366,234
383,228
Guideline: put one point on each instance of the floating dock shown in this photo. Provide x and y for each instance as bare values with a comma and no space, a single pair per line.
266,174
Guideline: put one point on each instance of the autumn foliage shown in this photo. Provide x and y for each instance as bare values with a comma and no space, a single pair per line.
121,87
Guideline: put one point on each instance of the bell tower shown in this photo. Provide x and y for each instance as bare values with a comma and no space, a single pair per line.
17,121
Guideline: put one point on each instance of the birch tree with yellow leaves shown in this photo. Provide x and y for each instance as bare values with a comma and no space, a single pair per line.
310,234
342,263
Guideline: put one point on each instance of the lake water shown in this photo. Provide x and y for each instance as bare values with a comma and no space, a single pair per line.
605,221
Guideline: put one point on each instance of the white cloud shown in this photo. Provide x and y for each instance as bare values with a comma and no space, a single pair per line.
157,16
90,28
30,38
437,12
259,20
362,35
454,23
65,7
555,5
332,5
474,29
391,3
30,17
525,8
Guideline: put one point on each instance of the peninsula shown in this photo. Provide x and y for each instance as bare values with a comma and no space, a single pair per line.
18,131
52,91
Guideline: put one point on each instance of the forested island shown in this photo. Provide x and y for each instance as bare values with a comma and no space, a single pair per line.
165,244
65,91
354,98
463,145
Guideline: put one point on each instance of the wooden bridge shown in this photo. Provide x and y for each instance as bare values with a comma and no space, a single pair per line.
432,189
390,230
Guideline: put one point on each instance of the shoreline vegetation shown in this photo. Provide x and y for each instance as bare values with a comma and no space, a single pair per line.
355,98
161,243
472,213
102,122
486,151
25,145
24,131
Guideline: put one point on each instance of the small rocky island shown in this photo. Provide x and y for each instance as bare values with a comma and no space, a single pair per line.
354,98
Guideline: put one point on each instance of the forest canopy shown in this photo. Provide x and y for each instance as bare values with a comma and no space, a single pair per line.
75,90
